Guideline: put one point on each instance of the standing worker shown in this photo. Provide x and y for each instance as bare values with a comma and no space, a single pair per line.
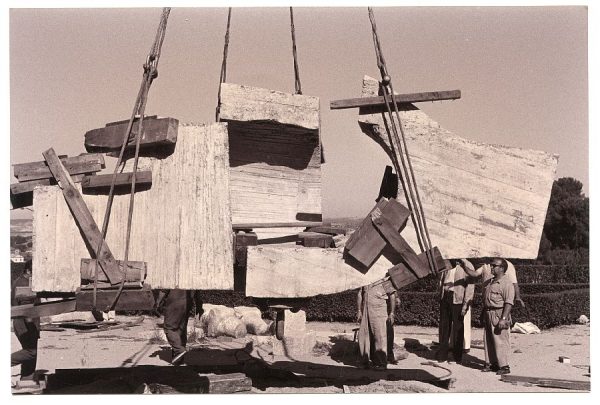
456,296
375,316
498,299
27,331
485,271
178,304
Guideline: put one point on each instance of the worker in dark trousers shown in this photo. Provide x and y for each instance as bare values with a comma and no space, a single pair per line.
27,331
178,304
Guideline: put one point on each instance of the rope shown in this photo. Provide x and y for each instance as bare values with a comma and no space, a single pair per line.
150,73
223,76
412,196
297,84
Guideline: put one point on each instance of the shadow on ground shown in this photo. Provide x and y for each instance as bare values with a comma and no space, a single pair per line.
202,360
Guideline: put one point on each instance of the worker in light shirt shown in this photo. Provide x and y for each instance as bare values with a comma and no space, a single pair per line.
485,271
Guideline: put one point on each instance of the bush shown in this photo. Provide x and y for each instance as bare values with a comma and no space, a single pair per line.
422,308
538,274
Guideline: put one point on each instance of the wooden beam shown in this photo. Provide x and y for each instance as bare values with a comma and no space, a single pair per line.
157,132
366,243
578,385
28,186
83,217
44,309
136,271
328,229
129,300
103,181
402,276
315,239
397,242
84,163
257,225
400,99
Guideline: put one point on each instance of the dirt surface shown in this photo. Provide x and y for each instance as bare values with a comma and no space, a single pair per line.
329,368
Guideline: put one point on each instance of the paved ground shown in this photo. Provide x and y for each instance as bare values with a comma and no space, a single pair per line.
332,359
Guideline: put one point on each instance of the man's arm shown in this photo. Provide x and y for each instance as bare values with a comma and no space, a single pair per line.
391,306
503,322
470,269
518,295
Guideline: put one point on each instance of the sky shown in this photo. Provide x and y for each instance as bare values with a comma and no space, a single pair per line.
522,71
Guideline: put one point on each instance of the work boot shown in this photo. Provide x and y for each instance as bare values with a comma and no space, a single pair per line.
503,370
178,359
490,367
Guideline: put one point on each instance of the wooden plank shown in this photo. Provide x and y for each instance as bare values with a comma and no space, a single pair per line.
331,230
366,243
84,163
379,101
135,271
83,217
295,272
578,385
257,225
479,200
397,242
275,154
129,300
314,239
402,276
28,186
103,181
227,383
157,132
181,229
21,194
44,309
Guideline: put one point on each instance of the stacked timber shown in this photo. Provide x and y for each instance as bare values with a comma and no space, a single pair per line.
35,174
479,199
181,225
274,155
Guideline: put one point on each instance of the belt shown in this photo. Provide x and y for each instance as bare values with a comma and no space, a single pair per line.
492,308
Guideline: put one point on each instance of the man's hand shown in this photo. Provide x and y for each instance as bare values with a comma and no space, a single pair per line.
391,318
376,214
520,302
503,324
463,311
359,317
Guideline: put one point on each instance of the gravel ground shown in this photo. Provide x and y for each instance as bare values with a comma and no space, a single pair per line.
140,344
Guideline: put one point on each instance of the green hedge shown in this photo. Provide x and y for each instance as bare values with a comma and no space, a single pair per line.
422,308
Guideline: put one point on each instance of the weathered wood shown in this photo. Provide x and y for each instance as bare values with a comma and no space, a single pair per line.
294,272
135,271
83,217
397,242
181,229
103,181
331,230
157,132
366,243
402,276
578,385
257,225
129,300
28,186
241,241
379,101
314,239
43,309
479,200
275,154
84,163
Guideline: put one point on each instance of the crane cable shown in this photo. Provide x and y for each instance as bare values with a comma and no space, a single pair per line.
297,83
150,73
223,76
407,174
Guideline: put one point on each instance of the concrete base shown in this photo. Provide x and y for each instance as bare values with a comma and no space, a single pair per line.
295,345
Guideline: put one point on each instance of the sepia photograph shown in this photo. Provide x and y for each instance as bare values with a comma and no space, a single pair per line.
298,199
